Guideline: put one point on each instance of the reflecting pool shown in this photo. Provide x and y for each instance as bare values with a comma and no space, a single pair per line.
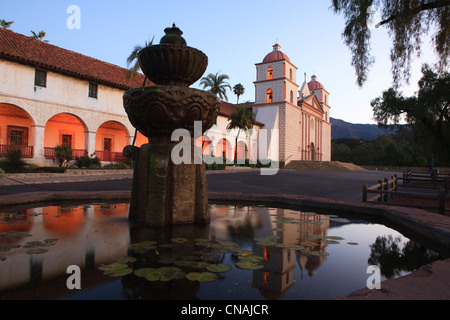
245,253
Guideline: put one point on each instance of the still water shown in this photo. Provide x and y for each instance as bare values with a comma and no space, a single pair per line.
245,253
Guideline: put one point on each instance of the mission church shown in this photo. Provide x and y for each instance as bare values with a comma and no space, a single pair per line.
51,96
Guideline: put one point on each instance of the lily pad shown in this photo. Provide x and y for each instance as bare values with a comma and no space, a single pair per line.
160,274
2,258
319,253
179,240
251,258
217,268
335,238
125,259
108,268
192,264
201,276
352,243
331,241
36,251
171,273
248,265
141,247
119,272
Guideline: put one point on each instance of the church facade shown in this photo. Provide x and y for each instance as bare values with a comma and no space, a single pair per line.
51,96
300,114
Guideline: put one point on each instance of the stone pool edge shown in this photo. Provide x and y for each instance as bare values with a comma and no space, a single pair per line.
430,282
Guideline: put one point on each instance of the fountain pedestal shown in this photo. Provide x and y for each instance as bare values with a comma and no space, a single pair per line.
165,192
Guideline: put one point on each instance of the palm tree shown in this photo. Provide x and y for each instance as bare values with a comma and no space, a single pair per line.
134,67
133,62
39,36
239,91
242,119
5,24
216,84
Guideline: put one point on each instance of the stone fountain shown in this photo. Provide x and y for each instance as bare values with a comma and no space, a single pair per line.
163,192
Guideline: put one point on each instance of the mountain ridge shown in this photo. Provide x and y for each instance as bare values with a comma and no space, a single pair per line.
343,129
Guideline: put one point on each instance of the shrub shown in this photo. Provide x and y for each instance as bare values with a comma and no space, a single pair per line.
214,163
13,162
116,165
63,154
90,162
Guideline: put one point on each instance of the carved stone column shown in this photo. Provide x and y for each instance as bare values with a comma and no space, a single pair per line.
164,192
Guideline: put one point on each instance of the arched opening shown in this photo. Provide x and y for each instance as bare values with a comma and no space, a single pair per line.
292,96
242,151
269,96
205,143
313,152
111,138
16,130
64,128
224,149
269,73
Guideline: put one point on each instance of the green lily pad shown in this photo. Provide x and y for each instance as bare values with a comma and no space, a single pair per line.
125,259
166,260
171,273
150,274
141,247
107,268
201,276
36,251
330,241
160,274
2,258
308,243
192,264
319,253
179,240
119,272
210,256
248,265
352,243
217,268
295,247
251,258
335,238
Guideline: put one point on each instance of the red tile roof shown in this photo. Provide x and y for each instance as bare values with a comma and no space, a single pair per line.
26,50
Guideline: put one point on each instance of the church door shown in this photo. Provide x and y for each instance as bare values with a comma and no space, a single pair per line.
313,152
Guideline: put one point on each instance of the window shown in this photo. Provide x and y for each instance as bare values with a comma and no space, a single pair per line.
40,78
269,96
17,136
107,144
269,73
292,97
67,140
93,90
290,74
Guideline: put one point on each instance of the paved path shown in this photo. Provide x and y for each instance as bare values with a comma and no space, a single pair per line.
336,185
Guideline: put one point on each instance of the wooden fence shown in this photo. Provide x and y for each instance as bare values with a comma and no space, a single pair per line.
386,190
383,190
426,180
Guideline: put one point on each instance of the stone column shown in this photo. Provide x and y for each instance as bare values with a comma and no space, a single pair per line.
90,141
38,147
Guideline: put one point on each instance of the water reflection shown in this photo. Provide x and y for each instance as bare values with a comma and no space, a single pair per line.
303,255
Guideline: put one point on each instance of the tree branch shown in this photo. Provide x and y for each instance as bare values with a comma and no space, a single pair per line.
417,10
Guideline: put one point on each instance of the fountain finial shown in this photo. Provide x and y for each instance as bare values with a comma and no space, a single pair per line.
173,36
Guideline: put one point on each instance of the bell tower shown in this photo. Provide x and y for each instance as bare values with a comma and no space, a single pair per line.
276,93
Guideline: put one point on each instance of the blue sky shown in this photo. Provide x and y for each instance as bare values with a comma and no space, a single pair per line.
233,34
